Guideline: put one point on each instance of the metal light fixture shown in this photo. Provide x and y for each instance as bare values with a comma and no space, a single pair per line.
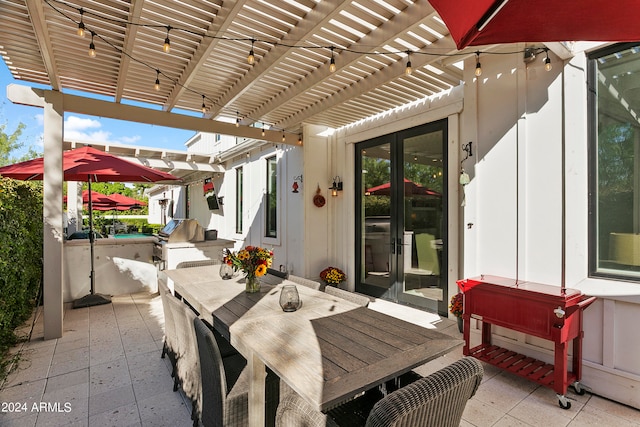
295,185
337,186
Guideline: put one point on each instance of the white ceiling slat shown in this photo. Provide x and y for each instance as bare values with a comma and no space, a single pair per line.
36,11
389,30
376,79
224,19
312,20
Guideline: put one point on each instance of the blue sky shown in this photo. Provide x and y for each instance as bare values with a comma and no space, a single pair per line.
84,128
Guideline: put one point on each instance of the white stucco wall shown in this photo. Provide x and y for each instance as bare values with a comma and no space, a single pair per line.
518,117
122,266
288,245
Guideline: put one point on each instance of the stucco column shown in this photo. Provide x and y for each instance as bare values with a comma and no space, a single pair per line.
52,230
74,207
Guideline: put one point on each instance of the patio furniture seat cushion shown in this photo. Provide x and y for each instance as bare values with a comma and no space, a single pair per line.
361,300
437,400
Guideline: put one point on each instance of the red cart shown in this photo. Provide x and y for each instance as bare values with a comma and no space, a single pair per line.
544,311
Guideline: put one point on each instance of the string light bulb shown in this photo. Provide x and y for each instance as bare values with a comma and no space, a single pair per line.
478,65
166,47
547,61
156,86
237,119
299,139
204,107
263,130
284,137
80,31
408,70
92,47
251,58
332,63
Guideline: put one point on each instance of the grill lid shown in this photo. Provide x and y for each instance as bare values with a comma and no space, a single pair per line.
182,230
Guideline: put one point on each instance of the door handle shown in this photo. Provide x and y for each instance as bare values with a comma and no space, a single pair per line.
399,246
393,246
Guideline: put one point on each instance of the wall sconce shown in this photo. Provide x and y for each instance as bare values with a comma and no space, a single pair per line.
295,185
337,186
467,149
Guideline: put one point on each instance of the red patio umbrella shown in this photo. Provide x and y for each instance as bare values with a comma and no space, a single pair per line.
97,199
410,188
125,202
481,22
90,165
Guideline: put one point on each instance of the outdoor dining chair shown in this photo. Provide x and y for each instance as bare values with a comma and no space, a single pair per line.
305,282
170,345
437,400
199,263
361,300
225,385
187,370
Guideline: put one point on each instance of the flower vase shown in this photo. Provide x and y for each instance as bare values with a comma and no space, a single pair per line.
460,324
252,284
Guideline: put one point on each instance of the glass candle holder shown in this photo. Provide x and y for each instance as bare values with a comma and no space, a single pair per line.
226,271
289,298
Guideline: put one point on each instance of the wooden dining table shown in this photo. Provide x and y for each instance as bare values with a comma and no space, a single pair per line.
328,350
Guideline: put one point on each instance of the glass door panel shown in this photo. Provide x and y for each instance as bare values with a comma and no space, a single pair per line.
423,239
401,241
376,221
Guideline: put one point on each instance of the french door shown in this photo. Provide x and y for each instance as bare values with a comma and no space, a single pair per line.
402,219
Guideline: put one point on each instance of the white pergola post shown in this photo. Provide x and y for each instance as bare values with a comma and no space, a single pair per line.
52,215
74,207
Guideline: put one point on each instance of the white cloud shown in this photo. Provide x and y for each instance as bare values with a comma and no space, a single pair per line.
130,139
84,129
77,124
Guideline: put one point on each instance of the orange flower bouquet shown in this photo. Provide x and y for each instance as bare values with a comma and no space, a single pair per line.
333,276
456,307
253,261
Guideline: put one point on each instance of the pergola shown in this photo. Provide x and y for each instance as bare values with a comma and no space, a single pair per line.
268,66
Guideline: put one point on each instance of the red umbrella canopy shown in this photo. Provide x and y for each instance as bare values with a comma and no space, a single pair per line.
481,22
96,198
126,201
87,163
410,188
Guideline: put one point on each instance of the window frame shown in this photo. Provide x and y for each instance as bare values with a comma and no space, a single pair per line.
594,270
239,226
271,191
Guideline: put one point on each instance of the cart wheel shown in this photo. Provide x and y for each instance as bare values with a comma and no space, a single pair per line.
563,402
578,388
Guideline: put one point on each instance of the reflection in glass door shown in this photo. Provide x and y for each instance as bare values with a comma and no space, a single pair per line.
402,232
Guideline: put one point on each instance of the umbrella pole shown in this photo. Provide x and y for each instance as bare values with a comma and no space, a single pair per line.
92,298
92,276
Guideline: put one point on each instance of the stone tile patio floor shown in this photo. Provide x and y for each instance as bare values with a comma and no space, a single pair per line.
106,371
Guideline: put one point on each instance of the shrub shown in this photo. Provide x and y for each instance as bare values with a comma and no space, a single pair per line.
20,257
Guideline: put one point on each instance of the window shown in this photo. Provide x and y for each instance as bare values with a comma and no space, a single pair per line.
614,107
271,198
239,191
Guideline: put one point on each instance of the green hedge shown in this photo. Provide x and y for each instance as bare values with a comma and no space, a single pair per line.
20,256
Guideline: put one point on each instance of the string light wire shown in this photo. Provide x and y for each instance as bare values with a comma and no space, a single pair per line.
332,64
